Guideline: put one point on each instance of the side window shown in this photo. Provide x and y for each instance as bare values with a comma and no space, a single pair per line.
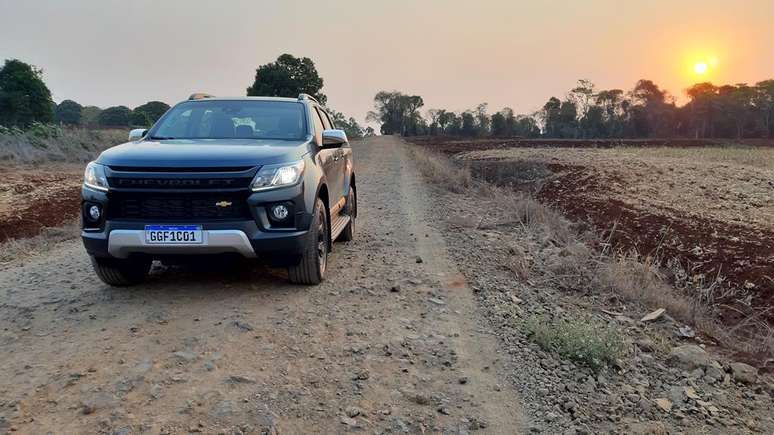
330,119
318,125
326,122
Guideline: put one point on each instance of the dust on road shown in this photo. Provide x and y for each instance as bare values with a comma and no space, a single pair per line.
390,343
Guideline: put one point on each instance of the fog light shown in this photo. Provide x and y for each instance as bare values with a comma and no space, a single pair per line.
94,213
279,212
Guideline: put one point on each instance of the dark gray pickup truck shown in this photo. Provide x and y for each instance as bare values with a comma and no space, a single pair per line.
255,177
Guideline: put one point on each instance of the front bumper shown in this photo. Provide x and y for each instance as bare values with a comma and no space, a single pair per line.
244,238
118,238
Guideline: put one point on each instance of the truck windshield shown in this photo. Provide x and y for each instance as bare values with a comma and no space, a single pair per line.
232,119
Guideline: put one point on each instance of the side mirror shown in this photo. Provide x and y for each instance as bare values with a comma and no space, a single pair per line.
334,138
137,134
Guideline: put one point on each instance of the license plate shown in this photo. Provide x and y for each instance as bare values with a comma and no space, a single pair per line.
173,234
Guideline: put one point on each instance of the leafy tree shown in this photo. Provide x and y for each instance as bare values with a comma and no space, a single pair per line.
551,117
614,110
482,119
349,125
149,113
398,113
288,76
434,126
526,126
510,121
24,97
702,108
763,101
68,112
568,120
90,115
582,96
445,118
468,124
499,127
117,116
139,119
735,103
653,114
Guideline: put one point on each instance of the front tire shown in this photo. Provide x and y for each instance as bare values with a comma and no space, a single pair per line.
314,260
120,273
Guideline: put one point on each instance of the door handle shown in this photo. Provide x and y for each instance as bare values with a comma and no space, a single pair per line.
336,157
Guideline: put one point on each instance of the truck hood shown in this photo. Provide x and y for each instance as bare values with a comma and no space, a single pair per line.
210,153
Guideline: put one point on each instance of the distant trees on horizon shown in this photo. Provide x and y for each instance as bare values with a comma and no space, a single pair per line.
585,112
646,111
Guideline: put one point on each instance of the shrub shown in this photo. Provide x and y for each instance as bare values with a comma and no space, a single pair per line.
582,341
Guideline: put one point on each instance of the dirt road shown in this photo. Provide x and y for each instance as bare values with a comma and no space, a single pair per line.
390,343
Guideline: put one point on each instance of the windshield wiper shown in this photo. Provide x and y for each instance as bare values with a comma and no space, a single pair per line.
162,138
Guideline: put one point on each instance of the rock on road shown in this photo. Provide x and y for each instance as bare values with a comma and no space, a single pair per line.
391,342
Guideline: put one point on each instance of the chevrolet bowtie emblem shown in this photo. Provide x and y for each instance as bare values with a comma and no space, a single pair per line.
223,204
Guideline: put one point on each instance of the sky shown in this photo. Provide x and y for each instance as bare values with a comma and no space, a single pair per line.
455,54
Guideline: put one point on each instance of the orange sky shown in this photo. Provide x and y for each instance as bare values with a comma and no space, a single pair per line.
454,53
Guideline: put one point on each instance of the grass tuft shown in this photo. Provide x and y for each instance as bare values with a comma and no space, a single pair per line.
581,341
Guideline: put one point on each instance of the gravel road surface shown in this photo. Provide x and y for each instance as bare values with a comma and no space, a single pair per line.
392,342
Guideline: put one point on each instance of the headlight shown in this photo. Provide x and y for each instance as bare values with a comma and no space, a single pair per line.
272,176
95,178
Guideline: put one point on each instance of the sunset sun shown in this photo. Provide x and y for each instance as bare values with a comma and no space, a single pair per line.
700,68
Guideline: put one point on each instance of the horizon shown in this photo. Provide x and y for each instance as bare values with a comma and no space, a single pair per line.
458,65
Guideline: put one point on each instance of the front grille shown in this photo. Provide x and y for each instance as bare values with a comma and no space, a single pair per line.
178,207
179,183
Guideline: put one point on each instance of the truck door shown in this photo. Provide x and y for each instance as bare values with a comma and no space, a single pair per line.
335,171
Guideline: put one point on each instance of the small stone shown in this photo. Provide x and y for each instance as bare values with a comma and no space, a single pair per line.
437,301
690,393
185,356
664,404
744,373
419,259
443,410
353,411
463,380
395,288
243,326
688,357
420,399
653,315
238,379
348,421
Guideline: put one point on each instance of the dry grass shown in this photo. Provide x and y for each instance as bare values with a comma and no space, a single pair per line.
443,172
53,144
14,250
554,253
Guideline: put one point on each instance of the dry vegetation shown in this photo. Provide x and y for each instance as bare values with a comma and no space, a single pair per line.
564,255
46,143
14,250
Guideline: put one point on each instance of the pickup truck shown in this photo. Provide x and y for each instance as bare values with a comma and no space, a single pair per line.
253,177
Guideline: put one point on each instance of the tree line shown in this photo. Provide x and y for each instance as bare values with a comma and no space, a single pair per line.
645,111
25,99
